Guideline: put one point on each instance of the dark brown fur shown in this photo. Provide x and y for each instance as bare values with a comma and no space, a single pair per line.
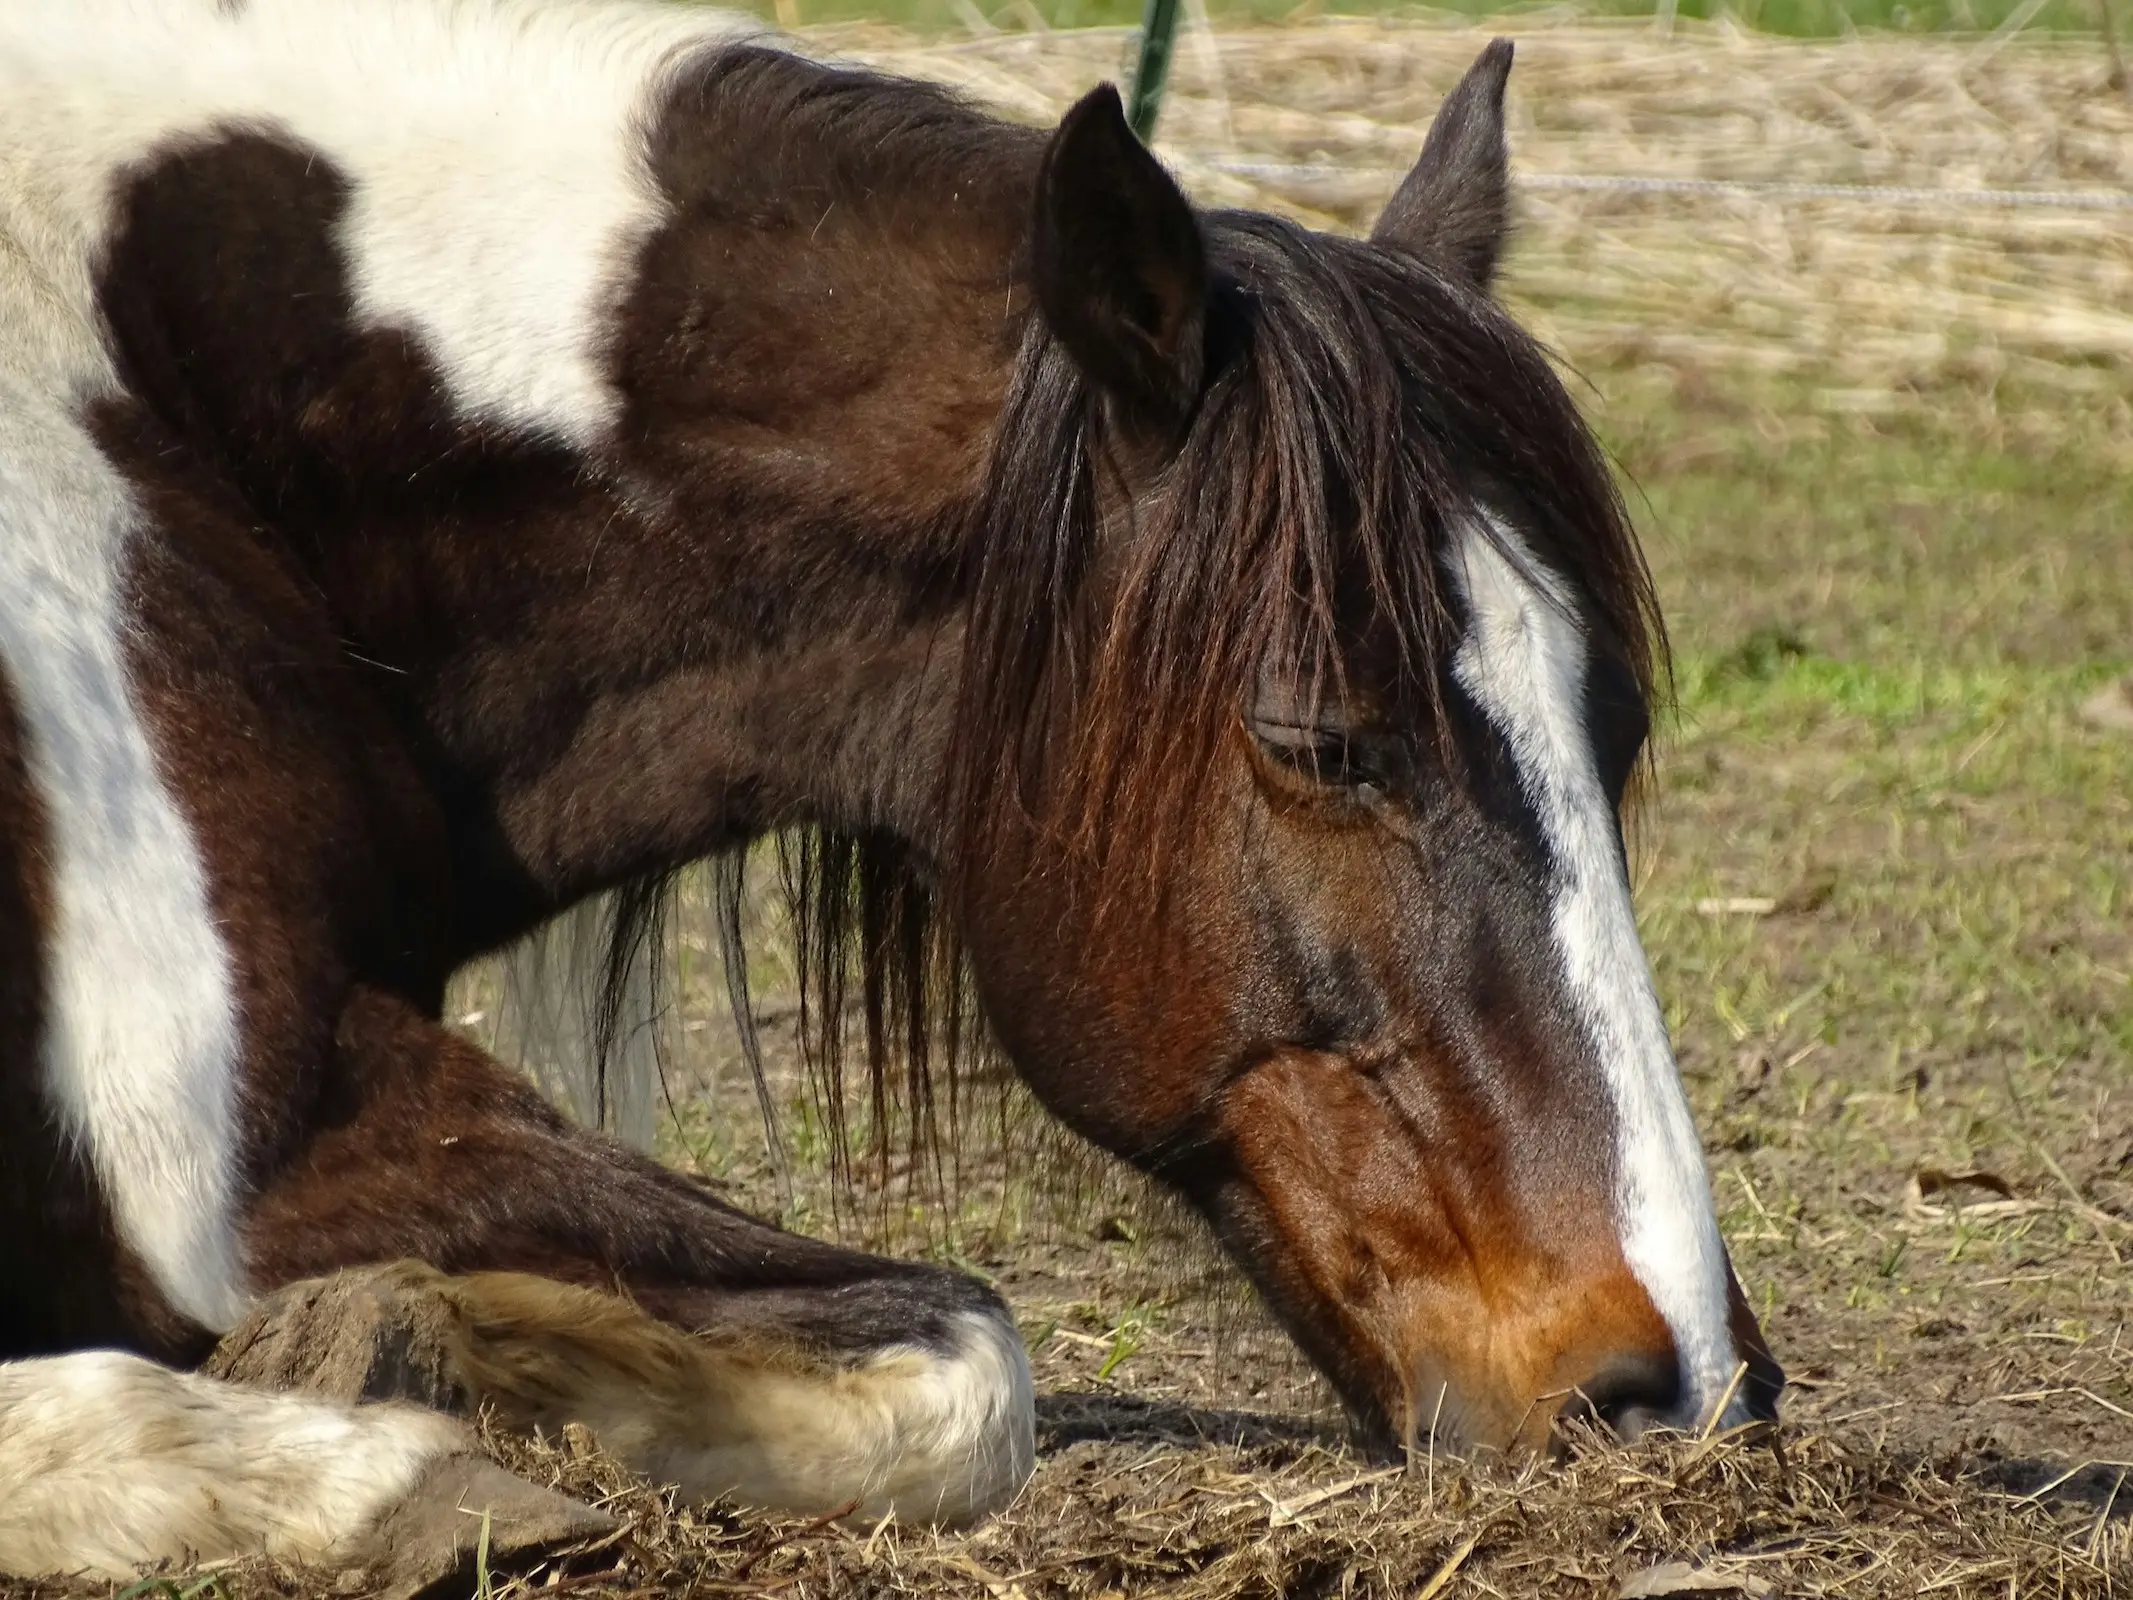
349,578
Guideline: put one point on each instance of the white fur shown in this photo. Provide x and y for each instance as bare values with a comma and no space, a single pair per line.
109,1464
140,1038
498,188
933,1438
1523,661
495,149
940,1438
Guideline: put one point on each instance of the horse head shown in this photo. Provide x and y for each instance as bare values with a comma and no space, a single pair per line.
1310,661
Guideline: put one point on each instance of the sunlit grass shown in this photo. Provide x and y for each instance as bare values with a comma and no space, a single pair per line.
1794,18
1800,18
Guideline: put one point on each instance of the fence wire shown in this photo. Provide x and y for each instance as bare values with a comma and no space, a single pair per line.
1278,172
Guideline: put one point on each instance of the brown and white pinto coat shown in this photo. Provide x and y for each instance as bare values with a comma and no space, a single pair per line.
458,458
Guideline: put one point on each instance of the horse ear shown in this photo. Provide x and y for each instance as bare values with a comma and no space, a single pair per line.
1120,272
1455,206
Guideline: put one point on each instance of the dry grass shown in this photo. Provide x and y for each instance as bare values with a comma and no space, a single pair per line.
1184,1518
2013,313
1282,1517
1278,1518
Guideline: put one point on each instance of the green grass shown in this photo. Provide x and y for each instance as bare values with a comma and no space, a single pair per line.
1796,696
1883,636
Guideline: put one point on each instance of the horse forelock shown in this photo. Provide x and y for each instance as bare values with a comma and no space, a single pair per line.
1360,406
1358,403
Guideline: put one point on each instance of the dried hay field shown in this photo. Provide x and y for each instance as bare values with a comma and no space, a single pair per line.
1881,449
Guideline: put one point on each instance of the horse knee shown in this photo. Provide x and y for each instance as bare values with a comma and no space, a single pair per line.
815,1404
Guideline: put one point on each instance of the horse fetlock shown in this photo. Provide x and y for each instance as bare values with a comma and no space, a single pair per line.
932,1417
938,1428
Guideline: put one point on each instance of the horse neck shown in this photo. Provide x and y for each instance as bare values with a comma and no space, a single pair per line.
716,592
746,610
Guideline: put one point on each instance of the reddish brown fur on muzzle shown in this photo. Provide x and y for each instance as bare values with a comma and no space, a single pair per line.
1443,1303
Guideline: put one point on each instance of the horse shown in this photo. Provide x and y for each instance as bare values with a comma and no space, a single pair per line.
463,458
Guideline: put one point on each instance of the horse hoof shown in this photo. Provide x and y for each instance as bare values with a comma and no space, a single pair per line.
466,1519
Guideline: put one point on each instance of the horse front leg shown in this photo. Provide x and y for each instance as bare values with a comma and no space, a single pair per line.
577,1281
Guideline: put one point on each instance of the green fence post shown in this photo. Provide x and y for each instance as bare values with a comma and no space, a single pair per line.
1159,31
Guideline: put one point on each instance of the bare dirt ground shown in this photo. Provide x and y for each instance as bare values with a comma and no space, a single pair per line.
1880,455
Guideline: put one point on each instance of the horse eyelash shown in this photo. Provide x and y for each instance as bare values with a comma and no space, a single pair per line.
1329,757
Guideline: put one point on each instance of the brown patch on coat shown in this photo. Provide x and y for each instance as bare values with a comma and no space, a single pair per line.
1405,1272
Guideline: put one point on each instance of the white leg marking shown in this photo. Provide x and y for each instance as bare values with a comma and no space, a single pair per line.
932,1437
109,1463
941,1437
1523,661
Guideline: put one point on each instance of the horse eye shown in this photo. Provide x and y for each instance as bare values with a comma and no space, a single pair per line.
1324,755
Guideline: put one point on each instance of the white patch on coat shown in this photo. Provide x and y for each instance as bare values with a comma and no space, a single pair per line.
140,1045
1523,661
109,1464
495,154
495,151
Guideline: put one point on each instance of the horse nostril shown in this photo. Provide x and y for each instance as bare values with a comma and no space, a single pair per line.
1765,1382
1629,1393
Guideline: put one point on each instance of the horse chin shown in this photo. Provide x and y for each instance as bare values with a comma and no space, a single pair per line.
1445,1417
1441,1416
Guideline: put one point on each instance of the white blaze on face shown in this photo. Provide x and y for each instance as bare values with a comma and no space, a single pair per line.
1523,662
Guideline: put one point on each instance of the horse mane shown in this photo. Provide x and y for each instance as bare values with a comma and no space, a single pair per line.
1361,405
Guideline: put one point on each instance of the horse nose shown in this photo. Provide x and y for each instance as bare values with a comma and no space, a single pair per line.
1628,1392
